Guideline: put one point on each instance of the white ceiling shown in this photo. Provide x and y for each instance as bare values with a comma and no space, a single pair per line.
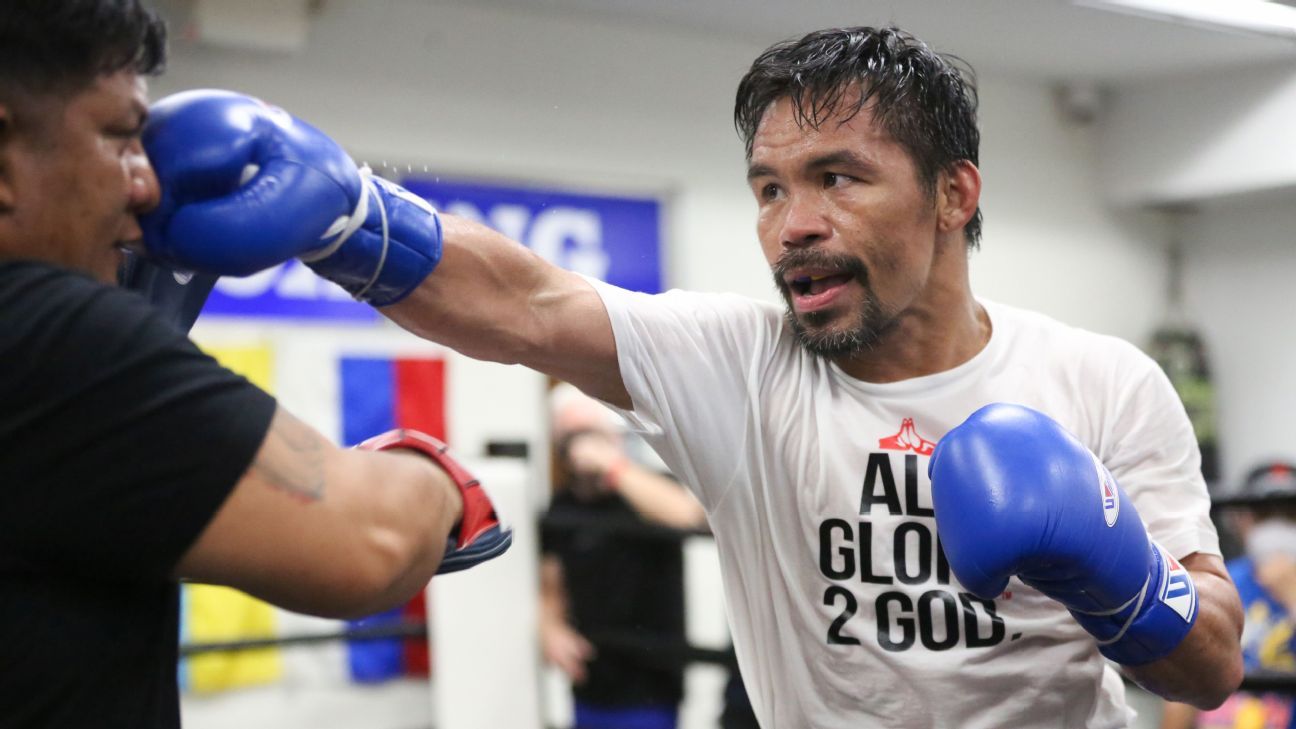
1043,39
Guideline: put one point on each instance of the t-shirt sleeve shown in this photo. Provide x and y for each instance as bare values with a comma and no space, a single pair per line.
690,364
1153,454
120,438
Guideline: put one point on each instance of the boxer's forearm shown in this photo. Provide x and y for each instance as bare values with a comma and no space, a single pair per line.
1207,666
491,298
487,298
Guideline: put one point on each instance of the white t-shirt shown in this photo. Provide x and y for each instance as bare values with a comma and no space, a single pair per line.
843,610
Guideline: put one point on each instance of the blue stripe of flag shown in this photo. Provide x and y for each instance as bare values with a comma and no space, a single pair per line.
368,395
368,398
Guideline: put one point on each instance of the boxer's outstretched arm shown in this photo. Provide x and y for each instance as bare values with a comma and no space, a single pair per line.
492,298
323,530
1207,666
245,186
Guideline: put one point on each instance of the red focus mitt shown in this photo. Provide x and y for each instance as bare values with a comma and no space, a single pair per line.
478,536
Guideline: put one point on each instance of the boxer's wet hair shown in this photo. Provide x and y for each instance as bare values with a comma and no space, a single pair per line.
58,47
926,101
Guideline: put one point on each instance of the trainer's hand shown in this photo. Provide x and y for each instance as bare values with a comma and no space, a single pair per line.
594,454
245,186
478,536
1015,494
567,649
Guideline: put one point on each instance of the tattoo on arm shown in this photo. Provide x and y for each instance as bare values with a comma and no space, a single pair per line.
293,458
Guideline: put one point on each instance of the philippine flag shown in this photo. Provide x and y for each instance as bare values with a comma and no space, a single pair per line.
376,395
349,392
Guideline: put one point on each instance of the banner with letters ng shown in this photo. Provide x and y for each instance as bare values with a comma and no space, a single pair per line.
615,239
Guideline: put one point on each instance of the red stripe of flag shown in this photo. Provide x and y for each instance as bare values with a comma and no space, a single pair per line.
420,396
420,405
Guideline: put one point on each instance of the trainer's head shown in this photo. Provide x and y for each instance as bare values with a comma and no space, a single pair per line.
73,175
576,416
861,151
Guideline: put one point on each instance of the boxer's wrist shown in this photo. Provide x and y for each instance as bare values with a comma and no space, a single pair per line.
1155,622
392,243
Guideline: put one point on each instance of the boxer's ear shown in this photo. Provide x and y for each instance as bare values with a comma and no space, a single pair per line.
958,192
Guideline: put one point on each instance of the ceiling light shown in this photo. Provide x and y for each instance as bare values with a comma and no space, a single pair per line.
1252,17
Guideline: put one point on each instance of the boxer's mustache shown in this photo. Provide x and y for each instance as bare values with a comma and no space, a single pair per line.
793,259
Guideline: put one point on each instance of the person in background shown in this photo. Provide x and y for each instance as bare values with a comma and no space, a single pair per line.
1266,580
598,575
593,461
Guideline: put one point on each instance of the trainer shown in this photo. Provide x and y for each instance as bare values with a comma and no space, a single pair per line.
1064,523
129,460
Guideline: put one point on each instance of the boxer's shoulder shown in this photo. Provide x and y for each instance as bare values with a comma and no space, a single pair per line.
1032,331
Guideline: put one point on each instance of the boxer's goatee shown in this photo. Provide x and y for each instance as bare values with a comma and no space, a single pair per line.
813,330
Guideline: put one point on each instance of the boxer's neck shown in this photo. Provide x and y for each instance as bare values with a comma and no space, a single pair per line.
940,330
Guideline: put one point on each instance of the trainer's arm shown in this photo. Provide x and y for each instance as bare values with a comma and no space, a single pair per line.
1207,666
561,643
324,530
659,499
492,298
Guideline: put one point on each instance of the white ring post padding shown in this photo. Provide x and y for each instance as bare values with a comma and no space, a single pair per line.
484,621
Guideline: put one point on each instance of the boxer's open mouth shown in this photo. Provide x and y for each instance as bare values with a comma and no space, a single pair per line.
811,284
812,290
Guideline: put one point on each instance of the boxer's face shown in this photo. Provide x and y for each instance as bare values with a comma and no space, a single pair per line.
845,224
75,177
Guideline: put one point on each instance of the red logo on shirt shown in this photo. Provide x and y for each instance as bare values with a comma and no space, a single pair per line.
907,440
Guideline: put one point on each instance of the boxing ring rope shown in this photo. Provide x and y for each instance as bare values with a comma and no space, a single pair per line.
651,648
376,630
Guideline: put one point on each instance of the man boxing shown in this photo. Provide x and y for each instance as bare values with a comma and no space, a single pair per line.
860,592
129,460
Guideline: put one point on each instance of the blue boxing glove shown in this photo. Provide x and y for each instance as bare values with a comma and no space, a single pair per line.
245,186
1015,494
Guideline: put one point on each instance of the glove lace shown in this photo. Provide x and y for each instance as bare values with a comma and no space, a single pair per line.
1137,600
371,188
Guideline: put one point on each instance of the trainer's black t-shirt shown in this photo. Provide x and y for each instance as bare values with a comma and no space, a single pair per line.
119,440
625,582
